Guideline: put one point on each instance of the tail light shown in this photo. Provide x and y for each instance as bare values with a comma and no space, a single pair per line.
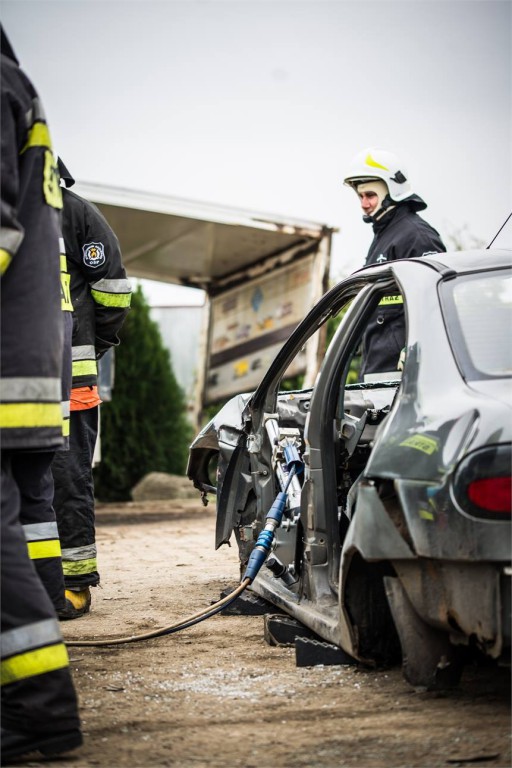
483,483
492,493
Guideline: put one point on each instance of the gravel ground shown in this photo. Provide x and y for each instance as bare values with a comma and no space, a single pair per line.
218,695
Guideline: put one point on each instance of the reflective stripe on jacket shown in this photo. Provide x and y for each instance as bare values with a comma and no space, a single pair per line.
67,309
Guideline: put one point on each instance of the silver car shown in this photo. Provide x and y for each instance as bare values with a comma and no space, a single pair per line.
395,538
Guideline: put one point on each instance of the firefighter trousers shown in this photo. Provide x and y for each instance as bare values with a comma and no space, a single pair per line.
38,695
74,501
32,474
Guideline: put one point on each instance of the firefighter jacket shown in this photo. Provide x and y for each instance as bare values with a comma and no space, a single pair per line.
400,234
100,291
31,317
37,690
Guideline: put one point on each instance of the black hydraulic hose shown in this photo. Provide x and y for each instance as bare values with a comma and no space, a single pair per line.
258,557
183,624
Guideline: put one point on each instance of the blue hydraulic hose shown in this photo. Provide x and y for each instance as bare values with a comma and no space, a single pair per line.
256,560
264,541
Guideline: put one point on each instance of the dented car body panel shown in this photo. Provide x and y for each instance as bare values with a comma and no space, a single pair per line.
385,534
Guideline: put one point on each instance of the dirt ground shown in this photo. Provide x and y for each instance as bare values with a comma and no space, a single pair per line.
218,695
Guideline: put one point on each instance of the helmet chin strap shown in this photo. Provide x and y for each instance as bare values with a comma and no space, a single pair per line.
386,205
378,188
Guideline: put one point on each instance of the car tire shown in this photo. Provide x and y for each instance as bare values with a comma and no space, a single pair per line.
429,660
377,642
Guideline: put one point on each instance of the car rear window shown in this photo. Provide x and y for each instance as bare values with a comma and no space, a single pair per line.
479,323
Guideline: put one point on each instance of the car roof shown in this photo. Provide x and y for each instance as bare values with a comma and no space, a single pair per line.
448,264
470,261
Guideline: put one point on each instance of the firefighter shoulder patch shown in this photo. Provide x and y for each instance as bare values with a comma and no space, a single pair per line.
94,254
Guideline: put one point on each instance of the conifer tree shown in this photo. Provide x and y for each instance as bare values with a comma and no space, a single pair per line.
144,427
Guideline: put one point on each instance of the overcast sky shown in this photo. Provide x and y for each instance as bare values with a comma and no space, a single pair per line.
261,105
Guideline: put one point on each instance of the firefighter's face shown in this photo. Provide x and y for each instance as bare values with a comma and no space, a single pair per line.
369,201
371,193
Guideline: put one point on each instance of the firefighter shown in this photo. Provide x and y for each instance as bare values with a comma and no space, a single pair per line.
39,704
100,295
390,205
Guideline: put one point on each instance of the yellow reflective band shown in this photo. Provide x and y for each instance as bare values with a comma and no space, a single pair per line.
78,567
63,263
30,415
34,663
111,299
387,300
65,291
51,186
426,515
66,424
421,443
373,163
38,136
37,550
84,367
5,260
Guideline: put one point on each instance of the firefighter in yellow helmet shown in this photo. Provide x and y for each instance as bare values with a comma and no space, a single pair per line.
39,704
390,205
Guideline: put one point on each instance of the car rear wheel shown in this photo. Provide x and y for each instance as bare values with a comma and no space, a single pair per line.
365,600
429,660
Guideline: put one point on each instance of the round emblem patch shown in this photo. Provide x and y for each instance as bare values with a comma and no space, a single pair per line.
94,254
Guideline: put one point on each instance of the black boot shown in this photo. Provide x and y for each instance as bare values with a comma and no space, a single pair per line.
16,744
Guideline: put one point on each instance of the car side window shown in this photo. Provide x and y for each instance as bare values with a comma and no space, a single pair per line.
479,309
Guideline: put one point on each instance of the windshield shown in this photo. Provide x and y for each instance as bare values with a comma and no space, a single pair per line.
478,310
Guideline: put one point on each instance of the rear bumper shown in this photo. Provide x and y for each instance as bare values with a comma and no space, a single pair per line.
471,601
